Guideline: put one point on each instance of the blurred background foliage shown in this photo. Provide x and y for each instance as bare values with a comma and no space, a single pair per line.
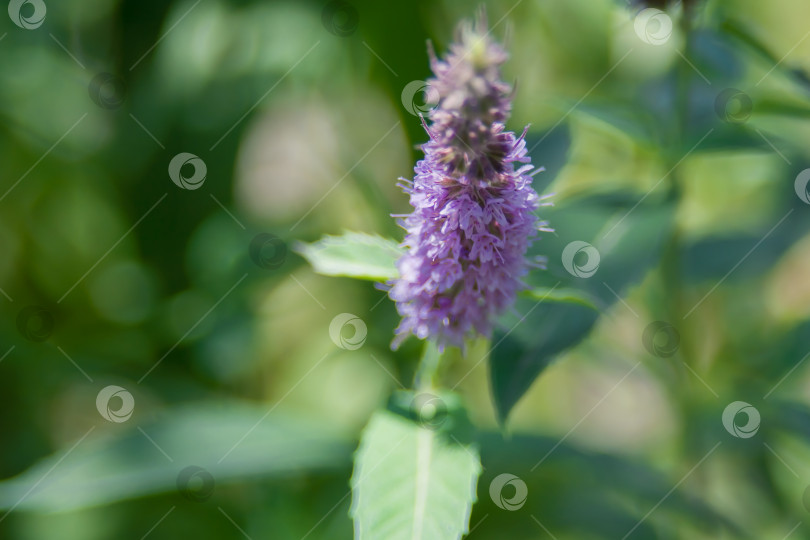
304,132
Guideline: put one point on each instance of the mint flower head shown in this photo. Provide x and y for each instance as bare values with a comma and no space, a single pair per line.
473,201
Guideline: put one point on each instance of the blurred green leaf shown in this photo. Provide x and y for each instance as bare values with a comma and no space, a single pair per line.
551,150
410,482
227,441
577,493
712,257
629,118
629,240
725,137
565,295
781,107
746,39
519,356
354,254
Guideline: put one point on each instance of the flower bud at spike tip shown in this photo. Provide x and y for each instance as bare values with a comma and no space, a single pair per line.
473,201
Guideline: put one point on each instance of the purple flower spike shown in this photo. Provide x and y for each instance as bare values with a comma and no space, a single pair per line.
473,201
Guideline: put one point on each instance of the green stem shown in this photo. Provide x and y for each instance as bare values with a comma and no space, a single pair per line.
428,368
673,282
683,390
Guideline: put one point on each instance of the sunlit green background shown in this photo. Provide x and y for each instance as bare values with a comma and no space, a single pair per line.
304,132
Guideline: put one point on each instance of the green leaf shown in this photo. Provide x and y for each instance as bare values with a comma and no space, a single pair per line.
611,494
564,295
354,254
547,321
626,117
725,137
542,331
411,482
793,109
710,258
103,469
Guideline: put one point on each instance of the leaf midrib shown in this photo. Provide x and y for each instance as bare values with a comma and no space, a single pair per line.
424,453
